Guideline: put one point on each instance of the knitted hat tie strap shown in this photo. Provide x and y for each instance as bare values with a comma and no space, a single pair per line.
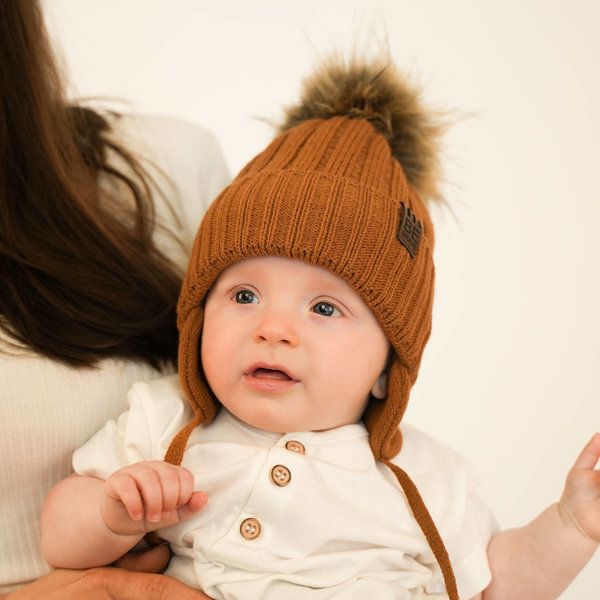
174,454
427,526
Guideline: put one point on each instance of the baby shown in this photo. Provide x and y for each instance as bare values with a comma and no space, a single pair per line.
303,318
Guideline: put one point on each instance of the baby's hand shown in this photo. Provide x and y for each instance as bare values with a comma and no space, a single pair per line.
147,496
580,502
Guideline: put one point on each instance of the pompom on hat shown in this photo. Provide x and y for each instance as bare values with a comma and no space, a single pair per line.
341,187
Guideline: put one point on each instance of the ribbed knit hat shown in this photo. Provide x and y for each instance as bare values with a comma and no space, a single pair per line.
337,188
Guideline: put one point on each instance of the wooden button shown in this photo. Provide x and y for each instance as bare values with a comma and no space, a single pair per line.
294,446
250,528
280,475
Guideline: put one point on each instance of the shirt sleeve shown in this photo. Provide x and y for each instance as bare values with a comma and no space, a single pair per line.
448,485
157,411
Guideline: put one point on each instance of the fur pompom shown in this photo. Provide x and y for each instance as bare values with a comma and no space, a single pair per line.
377,92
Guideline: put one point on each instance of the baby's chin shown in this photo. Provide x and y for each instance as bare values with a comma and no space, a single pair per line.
282,424
273,424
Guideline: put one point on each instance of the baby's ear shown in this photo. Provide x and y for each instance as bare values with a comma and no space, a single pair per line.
380,387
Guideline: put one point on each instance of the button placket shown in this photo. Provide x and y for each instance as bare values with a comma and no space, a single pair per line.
280,475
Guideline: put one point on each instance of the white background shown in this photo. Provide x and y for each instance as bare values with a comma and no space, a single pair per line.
511,375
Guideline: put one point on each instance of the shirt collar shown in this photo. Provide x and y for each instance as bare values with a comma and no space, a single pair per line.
346,446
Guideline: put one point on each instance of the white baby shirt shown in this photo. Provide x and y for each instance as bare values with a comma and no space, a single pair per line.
301,515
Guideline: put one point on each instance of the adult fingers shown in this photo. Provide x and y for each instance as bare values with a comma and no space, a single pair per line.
153,560
142,586
105,584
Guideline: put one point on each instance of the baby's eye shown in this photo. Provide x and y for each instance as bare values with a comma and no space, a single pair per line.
326,309
245,297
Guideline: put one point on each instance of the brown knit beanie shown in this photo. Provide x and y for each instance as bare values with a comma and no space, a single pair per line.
339,188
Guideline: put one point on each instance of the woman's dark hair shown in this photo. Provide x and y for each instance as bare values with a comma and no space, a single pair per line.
81,278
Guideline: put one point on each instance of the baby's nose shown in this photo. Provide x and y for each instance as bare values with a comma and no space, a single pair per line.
276,329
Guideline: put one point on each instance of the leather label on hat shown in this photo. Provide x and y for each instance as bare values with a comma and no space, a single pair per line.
410,231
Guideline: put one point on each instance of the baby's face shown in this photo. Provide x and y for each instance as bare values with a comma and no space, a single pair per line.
287,346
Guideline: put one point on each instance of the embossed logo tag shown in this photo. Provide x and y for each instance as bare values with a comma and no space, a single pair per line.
410,231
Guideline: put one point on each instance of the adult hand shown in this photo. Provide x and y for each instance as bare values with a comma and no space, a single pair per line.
153,559
104,583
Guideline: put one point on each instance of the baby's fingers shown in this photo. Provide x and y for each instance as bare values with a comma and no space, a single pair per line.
150,486
161,493
164,488
195,503
139,489
177,486
186,486
589,455
122,487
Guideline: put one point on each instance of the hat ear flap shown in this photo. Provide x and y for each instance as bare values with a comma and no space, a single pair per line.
192,381
382,417
190,372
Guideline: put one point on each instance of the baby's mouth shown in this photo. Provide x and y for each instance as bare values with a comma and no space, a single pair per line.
268,378
262,373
